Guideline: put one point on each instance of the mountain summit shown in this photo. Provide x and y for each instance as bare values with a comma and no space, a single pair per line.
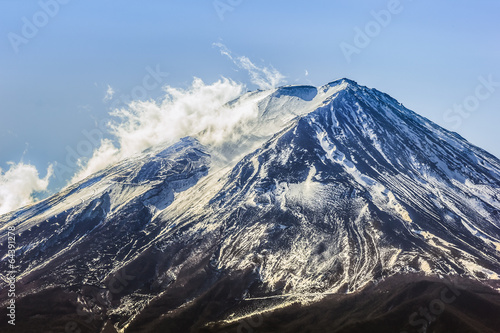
335,192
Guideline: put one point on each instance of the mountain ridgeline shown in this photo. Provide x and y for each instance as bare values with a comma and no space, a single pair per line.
341,211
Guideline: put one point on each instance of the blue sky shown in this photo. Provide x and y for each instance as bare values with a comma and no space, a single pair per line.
434,57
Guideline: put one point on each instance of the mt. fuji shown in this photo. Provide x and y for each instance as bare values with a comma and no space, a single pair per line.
340,210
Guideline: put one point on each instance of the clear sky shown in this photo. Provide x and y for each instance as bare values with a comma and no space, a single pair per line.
59,57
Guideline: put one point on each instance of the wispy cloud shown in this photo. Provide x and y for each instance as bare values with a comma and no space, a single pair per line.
19,184
263,77
109,94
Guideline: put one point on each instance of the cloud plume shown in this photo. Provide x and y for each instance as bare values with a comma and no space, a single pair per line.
201,111
210,112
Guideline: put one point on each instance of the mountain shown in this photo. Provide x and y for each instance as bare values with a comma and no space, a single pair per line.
340,210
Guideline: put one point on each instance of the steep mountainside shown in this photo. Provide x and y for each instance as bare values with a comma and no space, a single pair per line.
337,191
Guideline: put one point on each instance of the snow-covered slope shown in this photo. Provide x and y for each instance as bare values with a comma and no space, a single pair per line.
114,204
359,188
334,187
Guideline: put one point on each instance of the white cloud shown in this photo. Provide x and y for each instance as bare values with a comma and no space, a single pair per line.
109,94
306,73
19,183
263,77
199,111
